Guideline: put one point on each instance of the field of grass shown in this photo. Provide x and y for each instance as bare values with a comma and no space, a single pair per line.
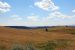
56,38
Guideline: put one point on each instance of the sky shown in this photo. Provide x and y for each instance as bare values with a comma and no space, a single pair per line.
37,12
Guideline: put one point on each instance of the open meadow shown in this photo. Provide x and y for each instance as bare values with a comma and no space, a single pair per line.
56,38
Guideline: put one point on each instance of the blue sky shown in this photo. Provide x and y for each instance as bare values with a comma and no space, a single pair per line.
37,12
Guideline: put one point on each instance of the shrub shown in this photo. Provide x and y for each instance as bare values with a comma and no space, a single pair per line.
50,45
63,43
29,46
17,47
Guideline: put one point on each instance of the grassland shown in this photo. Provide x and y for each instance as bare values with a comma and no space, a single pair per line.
56,38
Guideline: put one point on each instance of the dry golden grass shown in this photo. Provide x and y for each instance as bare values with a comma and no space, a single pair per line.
9,36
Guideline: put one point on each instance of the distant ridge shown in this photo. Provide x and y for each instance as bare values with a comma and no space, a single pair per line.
26,27
37,27
19,27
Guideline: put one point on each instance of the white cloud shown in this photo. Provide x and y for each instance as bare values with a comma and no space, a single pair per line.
17,20
54,18
32,18
35,20
16,17
4,7
46,5
73,10
58,15
54,10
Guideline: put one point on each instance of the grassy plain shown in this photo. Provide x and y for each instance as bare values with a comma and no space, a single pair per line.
56,38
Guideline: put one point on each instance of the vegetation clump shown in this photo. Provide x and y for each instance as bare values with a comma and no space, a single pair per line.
52,45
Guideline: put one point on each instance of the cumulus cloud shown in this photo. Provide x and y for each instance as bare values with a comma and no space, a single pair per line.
49,5
35,20
16,17
58,15
46,5
4,7
32,18
73,10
